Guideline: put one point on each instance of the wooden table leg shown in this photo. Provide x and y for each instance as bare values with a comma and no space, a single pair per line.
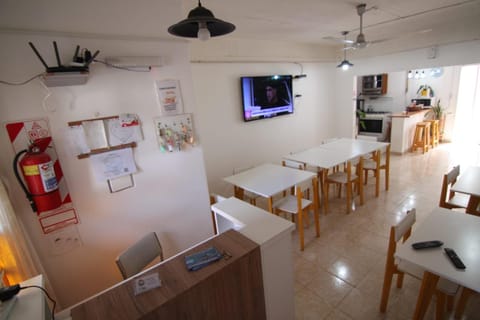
325,191
316,206
270,204
473,206
320,187
429,283
360,181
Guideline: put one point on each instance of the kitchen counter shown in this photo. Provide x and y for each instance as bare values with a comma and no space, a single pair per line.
408,114
403,129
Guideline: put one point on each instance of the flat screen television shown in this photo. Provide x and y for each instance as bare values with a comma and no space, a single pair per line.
266,96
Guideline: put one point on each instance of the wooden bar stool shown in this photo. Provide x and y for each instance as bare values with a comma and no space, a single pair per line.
421,139
434,132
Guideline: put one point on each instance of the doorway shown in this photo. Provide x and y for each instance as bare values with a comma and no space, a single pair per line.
466,130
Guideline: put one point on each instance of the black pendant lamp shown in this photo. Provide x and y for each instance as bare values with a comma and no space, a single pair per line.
201,24
345,64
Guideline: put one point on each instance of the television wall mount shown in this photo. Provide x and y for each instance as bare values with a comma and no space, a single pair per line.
82,63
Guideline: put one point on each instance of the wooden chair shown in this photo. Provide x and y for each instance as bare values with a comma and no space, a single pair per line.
247,195
139,255
214,198
296,205
379,161
295,165
350,179
402,231
448,198
306,188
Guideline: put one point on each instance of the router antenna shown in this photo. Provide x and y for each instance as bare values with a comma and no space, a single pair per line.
38,55
56,53
91,59
76,54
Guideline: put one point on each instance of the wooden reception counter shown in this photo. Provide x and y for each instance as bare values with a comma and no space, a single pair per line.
231,288
256,282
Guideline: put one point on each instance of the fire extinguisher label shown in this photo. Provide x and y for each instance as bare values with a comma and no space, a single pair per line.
31,170
47,173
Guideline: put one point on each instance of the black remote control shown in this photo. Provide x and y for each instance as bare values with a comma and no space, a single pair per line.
427,244
454,258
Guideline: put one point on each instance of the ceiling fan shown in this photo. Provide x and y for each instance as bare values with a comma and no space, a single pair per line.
360,42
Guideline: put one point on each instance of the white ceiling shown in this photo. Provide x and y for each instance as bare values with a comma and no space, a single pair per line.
406,24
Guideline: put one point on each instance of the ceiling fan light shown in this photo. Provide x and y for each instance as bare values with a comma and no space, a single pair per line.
345,65
197,19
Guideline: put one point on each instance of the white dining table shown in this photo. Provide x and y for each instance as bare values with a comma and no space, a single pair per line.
355,147
334,153
469,183
458,231
268,180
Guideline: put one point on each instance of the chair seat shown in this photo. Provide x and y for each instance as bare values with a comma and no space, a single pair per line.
459,200
250,195
340,177
372,165
289,204
443,285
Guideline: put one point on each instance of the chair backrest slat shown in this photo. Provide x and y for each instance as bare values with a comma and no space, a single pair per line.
405,225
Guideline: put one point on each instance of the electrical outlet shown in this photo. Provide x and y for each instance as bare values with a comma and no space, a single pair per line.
65,240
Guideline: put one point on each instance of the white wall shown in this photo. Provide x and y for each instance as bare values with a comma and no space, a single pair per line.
170,194
230,143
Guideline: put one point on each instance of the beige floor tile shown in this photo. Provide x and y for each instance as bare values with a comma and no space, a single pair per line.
337,315
310,306
340,274
305,271
329,287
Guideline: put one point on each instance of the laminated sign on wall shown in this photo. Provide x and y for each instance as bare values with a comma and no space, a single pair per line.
168,92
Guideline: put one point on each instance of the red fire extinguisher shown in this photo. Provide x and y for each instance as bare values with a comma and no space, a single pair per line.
39,174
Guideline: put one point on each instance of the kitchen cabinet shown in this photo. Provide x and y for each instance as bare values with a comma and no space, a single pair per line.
375,84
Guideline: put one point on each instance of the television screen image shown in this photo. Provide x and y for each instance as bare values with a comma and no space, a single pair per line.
266,96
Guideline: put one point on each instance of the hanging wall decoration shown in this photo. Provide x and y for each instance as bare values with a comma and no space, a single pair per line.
174,133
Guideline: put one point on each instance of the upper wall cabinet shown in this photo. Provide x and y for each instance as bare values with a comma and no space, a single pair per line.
374,85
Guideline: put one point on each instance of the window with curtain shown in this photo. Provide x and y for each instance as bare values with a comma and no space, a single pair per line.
15,258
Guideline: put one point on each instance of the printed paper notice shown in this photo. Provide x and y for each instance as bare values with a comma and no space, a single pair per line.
123,130
113,164
95,134
79,140
169,96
